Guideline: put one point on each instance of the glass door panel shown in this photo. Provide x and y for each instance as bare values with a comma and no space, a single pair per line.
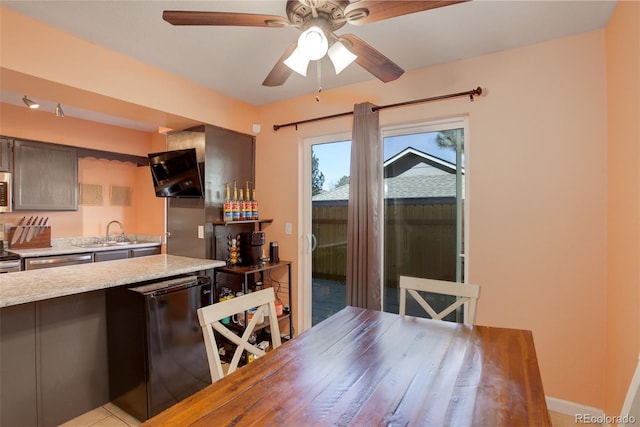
423,210
330,168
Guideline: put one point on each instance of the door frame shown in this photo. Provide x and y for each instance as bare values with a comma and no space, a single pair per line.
304,200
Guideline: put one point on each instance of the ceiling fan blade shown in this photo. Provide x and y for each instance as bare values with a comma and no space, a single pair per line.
379,10
372,60
178,17
280,72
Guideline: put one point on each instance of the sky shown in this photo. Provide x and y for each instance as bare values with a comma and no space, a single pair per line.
334,158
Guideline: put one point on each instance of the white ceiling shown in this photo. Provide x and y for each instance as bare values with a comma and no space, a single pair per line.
235,60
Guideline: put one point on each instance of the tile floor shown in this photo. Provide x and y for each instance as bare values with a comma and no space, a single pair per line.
108,415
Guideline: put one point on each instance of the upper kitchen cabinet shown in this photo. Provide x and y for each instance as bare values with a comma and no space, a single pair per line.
5,154
45,177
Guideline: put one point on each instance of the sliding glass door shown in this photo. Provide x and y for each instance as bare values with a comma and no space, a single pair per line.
423,207
424,195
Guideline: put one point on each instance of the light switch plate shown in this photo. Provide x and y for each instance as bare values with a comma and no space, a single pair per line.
288,228
201,232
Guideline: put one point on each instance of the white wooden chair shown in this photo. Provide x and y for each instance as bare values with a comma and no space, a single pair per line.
467,295
211,315
631,407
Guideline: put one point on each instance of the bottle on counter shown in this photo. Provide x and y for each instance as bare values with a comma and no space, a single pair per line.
246,206
235,207
228,213
241,205
254,206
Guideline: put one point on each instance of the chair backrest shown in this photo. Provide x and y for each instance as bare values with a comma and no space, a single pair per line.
467,295
210,320
630,415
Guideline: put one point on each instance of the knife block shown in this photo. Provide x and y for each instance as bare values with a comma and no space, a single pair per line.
41,237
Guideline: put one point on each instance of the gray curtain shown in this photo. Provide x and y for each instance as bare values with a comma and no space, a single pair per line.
364,264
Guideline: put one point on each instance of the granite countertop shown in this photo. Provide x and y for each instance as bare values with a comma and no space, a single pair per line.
78,249
79,245
38,285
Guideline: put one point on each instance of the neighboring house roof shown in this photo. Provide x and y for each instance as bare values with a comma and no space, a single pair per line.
416,162
419,175
403,187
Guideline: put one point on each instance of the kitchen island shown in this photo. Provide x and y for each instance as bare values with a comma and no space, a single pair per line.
38,285
53,334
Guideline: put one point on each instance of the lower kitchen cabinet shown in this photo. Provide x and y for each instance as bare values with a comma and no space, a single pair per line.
126,253
111,255
77,321
138,252
54,360
18,391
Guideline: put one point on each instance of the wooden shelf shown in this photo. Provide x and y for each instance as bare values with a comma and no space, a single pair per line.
247,221
248,269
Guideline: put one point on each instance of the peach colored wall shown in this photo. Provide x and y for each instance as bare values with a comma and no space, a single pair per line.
623,227
35,49
146,213
537,181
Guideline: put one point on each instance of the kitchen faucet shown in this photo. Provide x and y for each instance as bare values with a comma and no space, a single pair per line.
114,222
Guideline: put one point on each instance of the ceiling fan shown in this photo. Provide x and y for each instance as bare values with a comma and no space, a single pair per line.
318,19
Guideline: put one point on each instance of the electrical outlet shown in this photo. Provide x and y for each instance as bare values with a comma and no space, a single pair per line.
288,228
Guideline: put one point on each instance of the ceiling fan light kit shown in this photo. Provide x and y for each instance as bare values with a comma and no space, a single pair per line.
340,56
318,19
312,43
297,62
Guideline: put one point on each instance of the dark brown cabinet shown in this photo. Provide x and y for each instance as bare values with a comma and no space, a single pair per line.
54,360
18,403
111,255
5,154
45,177
138,252
125,253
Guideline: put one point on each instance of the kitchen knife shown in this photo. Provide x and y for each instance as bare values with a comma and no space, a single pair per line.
16,232
25,229
41,227
32,229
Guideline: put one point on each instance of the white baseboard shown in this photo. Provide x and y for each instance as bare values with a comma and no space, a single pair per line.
571,408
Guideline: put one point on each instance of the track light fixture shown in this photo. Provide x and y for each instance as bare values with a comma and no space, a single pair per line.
29,103
59,112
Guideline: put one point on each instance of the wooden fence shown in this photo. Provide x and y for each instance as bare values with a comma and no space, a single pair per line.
420,239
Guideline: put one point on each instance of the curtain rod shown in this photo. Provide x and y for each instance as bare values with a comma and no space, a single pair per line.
470,93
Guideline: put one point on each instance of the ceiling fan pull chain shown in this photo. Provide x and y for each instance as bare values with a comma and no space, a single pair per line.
319,73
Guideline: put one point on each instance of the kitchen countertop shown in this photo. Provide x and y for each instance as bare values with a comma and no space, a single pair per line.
38,285
78,249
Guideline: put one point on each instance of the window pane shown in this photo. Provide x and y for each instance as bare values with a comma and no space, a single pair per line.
423,195
330,166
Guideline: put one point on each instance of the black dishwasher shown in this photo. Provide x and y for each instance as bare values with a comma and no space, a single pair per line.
156,350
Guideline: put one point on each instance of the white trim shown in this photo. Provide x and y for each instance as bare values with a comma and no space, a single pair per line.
572,409
632,396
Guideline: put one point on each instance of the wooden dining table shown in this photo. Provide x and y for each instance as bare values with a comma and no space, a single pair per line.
369,368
